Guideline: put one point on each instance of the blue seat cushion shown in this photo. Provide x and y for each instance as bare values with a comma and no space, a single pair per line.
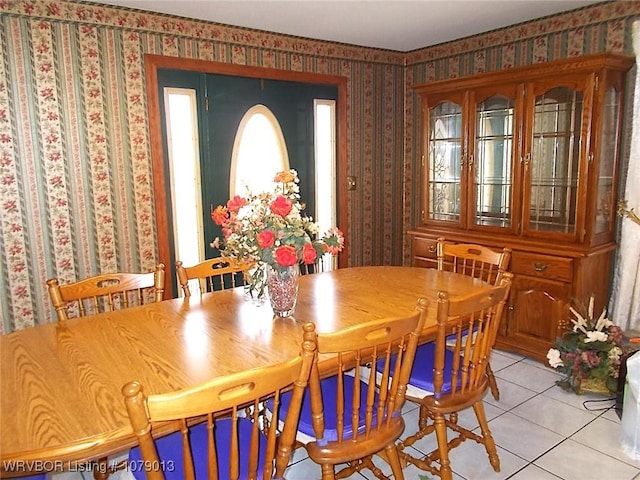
452,337
329,387
170,451
422,371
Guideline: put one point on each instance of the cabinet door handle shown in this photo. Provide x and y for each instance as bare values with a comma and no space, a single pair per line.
432,249
539,266
527,159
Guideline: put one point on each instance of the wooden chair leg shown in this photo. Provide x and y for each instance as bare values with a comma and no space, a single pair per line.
101,469
443,448
394,461
328,472
493,384
489,443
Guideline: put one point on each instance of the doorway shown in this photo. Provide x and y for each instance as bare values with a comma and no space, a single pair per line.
235,89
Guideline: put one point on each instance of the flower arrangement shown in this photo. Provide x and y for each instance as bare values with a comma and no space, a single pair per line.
588,353
268,228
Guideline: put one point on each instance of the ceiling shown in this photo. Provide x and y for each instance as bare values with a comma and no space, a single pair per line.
400,25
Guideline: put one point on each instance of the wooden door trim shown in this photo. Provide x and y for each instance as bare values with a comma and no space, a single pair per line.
154,62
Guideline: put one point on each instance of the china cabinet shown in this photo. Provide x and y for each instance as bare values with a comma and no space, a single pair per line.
527,158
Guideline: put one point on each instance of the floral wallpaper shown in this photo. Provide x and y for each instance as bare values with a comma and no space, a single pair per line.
76,182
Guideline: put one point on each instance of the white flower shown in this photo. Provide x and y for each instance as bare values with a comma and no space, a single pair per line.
579,323
314,229
590,310
596,337
553,355
603,321
614,354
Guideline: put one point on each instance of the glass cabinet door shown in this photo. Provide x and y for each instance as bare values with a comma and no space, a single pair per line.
491,164
444,162
603,221
552,166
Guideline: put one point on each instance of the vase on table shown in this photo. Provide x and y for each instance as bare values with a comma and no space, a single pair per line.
282,289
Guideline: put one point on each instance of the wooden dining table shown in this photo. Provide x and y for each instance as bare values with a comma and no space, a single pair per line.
61,382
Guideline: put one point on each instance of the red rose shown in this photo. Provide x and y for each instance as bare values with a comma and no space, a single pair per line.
266,239
236,203
219,215
286,256
281,206
309,254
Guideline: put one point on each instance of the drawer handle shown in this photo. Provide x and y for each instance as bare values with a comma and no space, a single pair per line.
539,266
432,249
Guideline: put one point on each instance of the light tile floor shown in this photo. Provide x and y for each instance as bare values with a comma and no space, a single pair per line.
542,433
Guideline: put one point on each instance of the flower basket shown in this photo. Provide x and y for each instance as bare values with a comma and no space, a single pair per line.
594,385
589,354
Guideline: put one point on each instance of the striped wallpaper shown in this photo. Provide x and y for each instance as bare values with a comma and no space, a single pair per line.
75,173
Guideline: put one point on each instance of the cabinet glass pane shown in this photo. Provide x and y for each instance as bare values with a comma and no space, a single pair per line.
494,146
554,160
608,154
444,162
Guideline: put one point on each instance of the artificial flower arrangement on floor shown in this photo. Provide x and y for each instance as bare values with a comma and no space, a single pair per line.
589,354
268,229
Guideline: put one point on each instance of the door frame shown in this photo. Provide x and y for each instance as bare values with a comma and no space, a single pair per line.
154,62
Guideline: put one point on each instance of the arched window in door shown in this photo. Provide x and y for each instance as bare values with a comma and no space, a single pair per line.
259,152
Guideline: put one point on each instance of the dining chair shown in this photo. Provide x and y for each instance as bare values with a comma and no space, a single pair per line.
473,260
324,263
479,262
446,380
102,293
223,433
346,418
106,292
214,274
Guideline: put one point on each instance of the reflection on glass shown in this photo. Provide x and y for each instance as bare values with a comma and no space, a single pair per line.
608,154
494,146
554,160
444,162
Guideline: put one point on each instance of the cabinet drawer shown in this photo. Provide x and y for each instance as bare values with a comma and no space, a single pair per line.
544,266
425,247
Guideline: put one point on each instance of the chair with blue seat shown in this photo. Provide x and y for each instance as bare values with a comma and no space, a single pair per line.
222,433
346,419
475,261
449,378
105,293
